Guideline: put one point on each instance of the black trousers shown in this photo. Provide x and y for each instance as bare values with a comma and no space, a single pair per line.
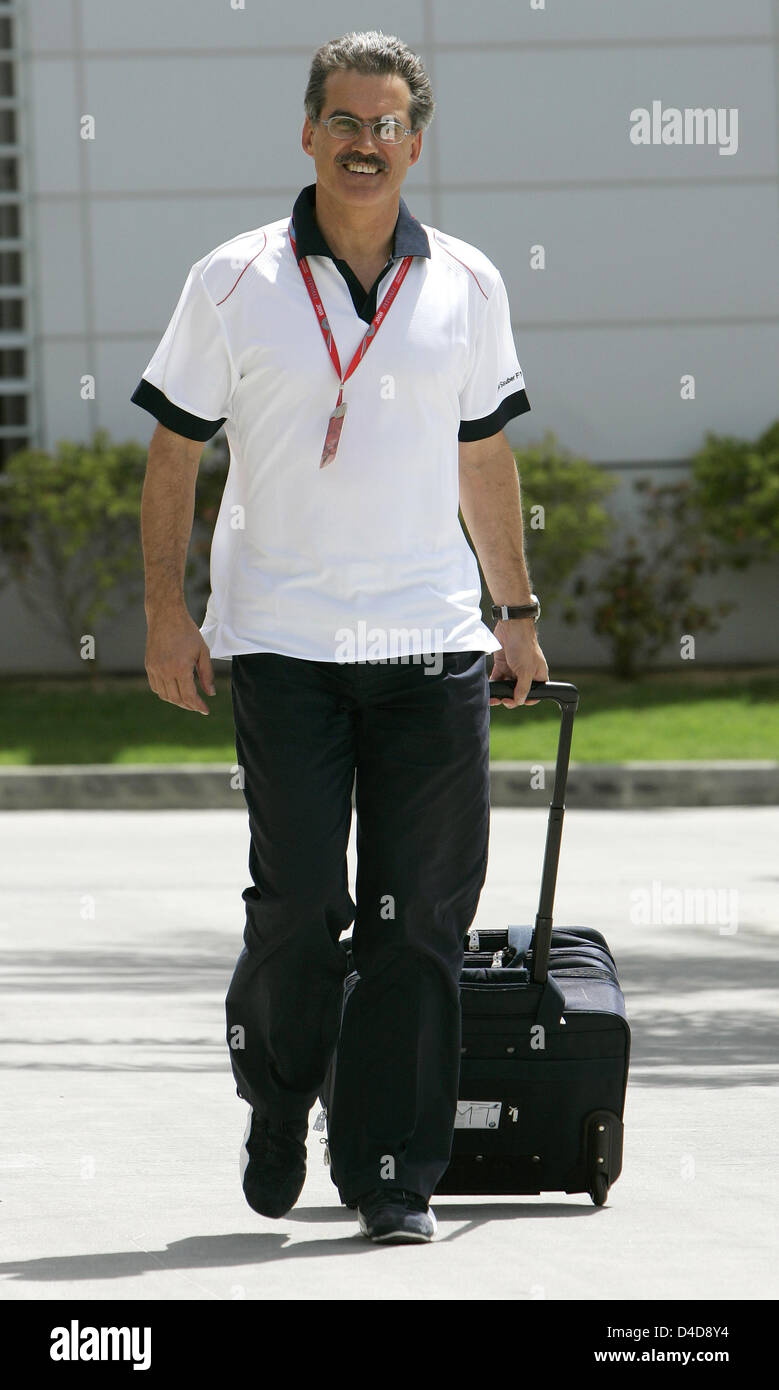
413,740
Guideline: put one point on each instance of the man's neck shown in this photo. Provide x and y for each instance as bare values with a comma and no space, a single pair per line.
357,235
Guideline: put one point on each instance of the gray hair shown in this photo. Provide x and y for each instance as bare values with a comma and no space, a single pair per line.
373,54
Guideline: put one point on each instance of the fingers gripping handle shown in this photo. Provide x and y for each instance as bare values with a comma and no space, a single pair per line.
560,691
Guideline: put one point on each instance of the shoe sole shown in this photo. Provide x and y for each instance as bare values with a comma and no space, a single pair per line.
401,1237
244,1154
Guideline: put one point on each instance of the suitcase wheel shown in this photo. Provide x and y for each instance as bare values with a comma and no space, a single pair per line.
603,1148
600,1189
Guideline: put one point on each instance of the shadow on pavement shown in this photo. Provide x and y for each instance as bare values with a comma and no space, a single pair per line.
128,971
673,1026
476,1214
687,1009
234,1251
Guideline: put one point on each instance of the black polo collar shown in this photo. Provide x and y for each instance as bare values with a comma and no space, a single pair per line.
411,239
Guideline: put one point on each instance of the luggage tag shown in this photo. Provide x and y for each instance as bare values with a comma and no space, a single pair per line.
334,426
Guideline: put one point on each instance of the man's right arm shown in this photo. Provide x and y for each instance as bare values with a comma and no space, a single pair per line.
174,644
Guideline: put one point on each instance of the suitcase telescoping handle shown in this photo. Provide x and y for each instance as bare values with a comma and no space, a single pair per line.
567,697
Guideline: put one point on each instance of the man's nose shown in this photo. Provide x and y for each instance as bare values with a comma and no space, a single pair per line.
366,141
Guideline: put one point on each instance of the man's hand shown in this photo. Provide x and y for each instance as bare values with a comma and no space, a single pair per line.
174,648
520,659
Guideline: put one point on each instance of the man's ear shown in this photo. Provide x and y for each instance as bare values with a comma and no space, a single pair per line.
307,137
416,148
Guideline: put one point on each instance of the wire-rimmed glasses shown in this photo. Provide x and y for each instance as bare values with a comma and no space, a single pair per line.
387,129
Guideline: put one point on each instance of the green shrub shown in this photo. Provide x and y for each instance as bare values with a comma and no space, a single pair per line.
70,531
648,586
70,535
737,490
564,520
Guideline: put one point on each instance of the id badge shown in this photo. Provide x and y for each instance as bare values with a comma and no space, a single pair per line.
334,426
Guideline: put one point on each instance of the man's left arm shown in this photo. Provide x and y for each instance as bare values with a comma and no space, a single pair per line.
490,504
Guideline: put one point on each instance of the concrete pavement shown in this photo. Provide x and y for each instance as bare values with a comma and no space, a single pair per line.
121,1127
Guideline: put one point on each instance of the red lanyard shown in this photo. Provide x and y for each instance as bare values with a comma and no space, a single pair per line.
375,325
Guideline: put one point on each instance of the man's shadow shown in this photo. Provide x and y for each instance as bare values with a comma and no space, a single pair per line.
252,1248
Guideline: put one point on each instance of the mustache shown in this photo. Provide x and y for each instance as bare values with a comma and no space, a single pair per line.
360,159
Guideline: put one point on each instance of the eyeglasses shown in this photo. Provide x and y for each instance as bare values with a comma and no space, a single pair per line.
388,130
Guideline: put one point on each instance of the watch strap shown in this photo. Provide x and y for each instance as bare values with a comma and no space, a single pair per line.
525,610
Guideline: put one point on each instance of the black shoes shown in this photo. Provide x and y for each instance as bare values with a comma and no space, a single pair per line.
273,1171
273,1165
393,1214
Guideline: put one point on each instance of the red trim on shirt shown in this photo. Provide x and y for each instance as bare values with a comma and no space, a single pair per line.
246,267
462,263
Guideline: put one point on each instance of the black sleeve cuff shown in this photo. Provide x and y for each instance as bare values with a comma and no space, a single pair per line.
172,416
515,404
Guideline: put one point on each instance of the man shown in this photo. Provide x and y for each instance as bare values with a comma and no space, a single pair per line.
346,350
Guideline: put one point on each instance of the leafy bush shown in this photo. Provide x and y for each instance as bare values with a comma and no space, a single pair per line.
570,491
69,532
737,490
648,587
563,519
726,515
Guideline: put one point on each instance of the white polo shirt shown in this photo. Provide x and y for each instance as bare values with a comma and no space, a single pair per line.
365,558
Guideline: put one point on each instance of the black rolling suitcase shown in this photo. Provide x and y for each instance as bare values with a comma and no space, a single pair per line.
545,1041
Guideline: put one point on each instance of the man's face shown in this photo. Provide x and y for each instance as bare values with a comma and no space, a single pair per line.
367,98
